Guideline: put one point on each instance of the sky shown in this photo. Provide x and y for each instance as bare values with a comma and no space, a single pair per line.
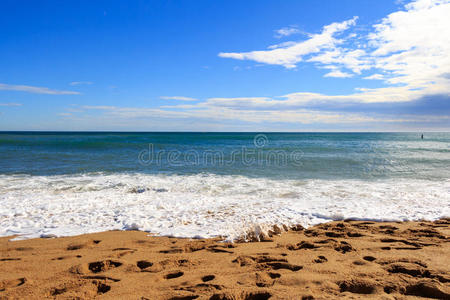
215,65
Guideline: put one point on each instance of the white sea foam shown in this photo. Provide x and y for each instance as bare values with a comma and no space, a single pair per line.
204,205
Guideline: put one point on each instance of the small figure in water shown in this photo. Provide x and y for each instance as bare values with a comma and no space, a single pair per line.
422,136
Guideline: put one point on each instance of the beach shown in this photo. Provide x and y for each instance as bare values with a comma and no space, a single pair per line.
224,215
345,259
225,150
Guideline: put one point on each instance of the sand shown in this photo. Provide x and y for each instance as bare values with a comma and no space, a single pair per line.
345,259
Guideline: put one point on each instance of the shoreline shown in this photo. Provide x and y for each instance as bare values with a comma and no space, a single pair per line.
349,259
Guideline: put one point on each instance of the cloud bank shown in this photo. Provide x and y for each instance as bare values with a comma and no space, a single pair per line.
286,31
35,89
11,104
408,52
292,54
179,98
410,47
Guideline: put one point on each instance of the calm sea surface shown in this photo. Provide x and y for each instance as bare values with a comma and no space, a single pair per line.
270,155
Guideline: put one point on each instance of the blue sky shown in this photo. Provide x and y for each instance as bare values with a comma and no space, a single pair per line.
225,65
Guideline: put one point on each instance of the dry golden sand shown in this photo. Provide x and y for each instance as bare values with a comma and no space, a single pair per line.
349,259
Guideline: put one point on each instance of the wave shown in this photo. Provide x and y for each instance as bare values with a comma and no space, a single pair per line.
205,205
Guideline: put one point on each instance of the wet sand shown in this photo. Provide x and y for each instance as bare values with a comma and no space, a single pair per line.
345,259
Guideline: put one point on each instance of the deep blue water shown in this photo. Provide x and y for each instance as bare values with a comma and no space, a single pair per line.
270,155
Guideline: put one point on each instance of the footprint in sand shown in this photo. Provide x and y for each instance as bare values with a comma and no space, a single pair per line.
173,250
72,247
301,245
357,286
354,234
143,264
75,247
202,288
429,233
264,280
388,261
369,258
320,259
58,291
388,229
101,266
409,269
102,288
343,247
122,249
208,278
427,289
97,283
63,257
267,262
359,262
218,249
174,275
310,233
334,234
5,284
274,275
284,265
390,240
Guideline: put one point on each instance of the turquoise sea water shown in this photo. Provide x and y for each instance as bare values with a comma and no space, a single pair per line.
278,155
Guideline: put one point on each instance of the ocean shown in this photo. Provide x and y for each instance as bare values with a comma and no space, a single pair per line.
216,184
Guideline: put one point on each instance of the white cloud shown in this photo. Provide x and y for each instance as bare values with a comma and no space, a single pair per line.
74,110
295,109
414,45
354,60
73,83
99,107
35,89
291,55
10,104
294,116
261,114
375,77
409,48
338,74
179,98
286,31
282,45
